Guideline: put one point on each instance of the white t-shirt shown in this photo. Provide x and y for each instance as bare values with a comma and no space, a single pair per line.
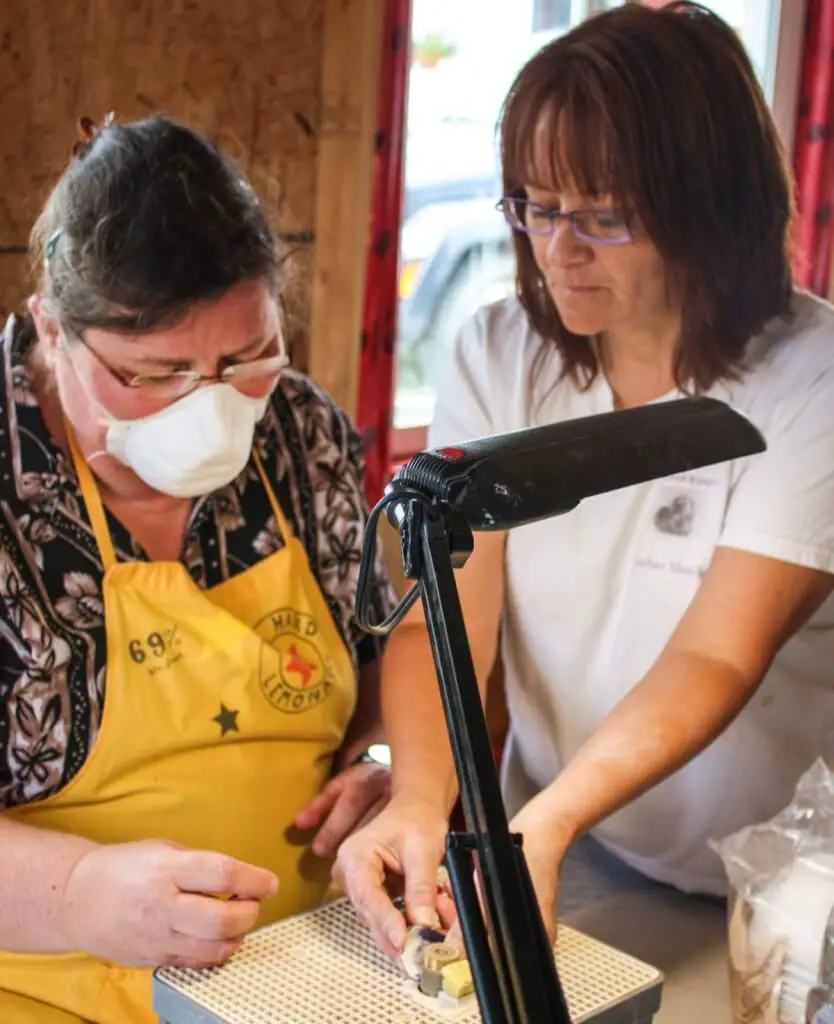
593,596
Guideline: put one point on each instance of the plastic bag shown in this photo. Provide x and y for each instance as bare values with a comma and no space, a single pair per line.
781,876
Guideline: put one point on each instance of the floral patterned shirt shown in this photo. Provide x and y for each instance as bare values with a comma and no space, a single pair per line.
52,638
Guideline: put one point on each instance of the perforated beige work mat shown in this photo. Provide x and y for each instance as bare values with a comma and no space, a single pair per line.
323,966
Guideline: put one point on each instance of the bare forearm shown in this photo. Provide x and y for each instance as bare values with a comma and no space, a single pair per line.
412,710
674,713
415,725
36,864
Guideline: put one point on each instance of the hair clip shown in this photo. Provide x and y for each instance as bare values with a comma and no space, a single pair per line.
690,9
51,245
89,131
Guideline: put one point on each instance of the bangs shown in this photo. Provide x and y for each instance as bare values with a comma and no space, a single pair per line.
557,133
660,113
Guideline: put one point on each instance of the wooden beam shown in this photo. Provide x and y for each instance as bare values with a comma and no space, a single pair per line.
350,68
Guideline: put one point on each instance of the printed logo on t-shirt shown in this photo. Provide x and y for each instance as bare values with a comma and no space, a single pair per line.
684,504
677,516
681,526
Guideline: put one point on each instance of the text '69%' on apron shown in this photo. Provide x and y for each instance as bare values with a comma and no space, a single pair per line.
223,710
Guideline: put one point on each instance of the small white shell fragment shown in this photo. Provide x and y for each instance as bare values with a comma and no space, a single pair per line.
416,941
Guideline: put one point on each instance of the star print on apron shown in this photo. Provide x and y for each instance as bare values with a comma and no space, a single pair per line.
223,710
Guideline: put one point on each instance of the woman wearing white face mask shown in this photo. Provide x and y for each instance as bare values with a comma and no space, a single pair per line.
180,529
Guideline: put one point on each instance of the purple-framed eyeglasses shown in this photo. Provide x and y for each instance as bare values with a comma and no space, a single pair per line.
601,227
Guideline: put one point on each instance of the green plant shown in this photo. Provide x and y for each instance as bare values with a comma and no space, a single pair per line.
432,48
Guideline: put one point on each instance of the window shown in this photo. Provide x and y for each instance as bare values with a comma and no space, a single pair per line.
548,14
757,22
455,252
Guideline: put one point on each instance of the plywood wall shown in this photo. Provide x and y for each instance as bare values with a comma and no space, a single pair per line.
248,73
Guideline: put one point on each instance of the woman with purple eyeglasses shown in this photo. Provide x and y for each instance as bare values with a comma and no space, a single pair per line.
668,649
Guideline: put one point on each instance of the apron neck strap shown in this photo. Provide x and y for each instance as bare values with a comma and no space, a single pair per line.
92,499
280,518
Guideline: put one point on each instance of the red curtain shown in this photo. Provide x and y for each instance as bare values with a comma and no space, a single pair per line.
379,324
814,150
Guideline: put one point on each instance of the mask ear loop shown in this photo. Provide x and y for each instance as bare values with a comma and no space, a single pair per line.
63,347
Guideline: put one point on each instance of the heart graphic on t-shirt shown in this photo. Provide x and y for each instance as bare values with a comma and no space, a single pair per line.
677,517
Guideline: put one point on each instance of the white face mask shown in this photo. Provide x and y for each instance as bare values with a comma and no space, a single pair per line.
192,447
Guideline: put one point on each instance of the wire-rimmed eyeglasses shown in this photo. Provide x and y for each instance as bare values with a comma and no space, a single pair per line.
602,227
249,376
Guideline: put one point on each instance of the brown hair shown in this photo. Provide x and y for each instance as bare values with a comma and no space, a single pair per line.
662,110
149,219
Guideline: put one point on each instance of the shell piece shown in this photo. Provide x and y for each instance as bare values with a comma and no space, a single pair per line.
437,955
431,982
413,952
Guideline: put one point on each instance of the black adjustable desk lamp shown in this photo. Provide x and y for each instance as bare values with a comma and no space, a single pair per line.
437,500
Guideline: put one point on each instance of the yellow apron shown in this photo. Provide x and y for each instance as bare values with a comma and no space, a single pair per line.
222,714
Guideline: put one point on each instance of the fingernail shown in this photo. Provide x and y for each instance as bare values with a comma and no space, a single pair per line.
425,916
395,937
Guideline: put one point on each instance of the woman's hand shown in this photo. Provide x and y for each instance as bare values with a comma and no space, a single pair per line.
152,902
544,849
351,799
545,845
407,841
